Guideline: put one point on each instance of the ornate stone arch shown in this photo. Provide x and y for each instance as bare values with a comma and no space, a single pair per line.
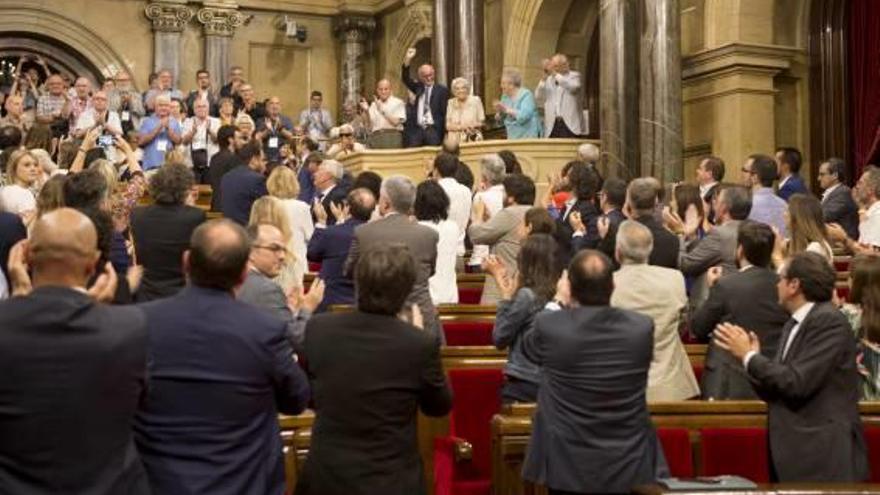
28,18
519,33
419,24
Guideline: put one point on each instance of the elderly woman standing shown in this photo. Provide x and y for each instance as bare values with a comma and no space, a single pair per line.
464,113
517,108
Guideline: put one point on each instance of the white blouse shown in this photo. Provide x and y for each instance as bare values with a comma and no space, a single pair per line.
17,199
443,284
301,228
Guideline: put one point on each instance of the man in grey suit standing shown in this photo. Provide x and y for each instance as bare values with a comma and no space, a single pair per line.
267,258
592,426
396,198
811,385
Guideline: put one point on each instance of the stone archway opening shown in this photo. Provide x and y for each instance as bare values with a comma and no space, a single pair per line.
39,55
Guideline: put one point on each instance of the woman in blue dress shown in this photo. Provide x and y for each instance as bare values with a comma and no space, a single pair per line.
517,108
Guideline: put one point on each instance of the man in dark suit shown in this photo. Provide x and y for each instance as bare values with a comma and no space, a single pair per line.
220,372
811,385
12,230
267,259
710,173
431,102
366,397
592,432
244,184
73,370
789,162
396,200
641,203
329,246
746,298
330,189
580,211
611,200
222,162
838,205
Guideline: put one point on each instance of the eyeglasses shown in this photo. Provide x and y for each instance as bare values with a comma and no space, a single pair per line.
275,248
346,135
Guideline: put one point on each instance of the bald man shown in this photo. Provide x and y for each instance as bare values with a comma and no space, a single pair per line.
74,370
562,97
387,115
431,102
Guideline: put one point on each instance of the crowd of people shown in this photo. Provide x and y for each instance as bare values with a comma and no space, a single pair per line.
177,384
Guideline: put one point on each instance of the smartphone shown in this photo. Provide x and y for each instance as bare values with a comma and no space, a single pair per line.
105,141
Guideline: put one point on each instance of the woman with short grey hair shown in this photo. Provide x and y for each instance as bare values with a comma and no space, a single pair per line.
464,113
517,108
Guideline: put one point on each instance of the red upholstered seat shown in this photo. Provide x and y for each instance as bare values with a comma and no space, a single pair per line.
314,267
698,370
872,439
469,295
843,293
739,451
468,332
475,400
676,444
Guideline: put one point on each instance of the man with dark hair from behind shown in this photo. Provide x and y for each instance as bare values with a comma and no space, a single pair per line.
592,356
220,372
329,246
244,184
612,197
811,384
222,162
790,182
746,298
641,202
74,371
445,169
759,172
364,438
10,140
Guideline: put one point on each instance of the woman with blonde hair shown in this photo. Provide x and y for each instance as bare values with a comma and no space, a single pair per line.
464,113
806,229
269,210
244,123
283,185
19,195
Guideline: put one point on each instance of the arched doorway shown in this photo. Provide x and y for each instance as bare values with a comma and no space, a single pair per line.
39,55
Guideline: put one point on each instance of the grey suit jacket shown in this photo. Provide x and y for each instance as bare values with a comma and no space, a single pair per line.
812,402
422,244
717,248
592,432
500,233
259,290
839,207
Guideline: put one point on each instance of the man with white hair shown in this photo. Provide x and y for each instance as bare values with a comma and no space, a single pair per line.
396,198
560,90
488,200
329,190
432,100
81,101
99,115
658,293
588,153
346,144
159,134
164,87
387,115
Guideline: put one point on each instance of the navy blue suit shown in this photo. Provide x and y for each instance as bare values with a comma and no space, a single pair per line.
329,247
220,371
793,185
12,230
306,186
240,187
438,103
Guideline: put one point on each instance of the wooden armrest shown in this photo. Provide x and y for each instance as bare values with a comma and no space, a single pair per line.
462,450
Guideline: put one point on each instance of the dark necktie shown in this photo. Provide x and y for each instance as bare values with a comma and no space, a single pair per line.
783,339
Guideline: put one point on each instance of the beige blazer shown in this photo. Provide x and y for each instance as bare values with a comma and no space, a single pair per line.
659,293
500,233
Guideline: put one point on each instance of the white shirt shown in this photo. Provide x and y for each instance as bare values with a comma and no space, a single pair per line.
459,207
201,140
17,199
425,118
798,316
493,198
705,188
301,229
443,286
393,107
87,120
561,94
784,180
337,152
869,229
827,192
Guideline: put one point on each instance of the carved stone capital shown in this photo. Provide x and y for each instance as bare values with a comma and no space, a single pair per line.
353,28
168,16
220,22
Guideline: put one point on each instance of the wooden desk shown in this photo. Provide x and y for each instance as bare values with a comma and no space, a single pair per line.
775,489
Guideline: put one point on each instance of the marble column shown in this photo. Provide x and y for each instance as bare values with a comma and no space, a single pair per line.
219,25
619,87
441,42
169,19
660,90
353,31
468,34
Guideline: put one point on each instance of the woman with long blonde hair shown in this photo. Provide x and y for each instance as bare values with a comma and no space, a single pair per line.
806,229
282,184
269,210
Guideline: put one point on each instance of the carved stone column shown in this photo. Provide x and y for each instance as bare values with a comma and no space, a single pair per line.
468,53
353,31
169,18
660,90
619,87
441,42
219,25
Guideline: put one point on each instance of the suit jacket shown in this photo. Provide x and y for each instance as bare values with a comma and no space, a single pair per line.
568,245
370,373
608,244
161,235
12,230
220,372
793,185
500,233
240,187
659,294
812,402
330,247
717,248
262,292
222,162
748,299
591,357
336,195
439,99
666,244
422,244
839,207
562,97
73,377
190,101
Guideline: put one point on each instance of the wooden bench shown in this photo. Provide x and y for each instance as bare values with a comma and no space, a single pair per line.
511,431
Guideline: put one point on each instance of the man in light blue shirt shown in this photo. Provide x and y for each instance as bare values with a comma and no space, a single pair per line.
159,134
759,172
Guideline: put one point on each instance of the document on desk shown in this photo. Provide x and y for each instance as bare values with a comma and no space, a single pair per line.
707,483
